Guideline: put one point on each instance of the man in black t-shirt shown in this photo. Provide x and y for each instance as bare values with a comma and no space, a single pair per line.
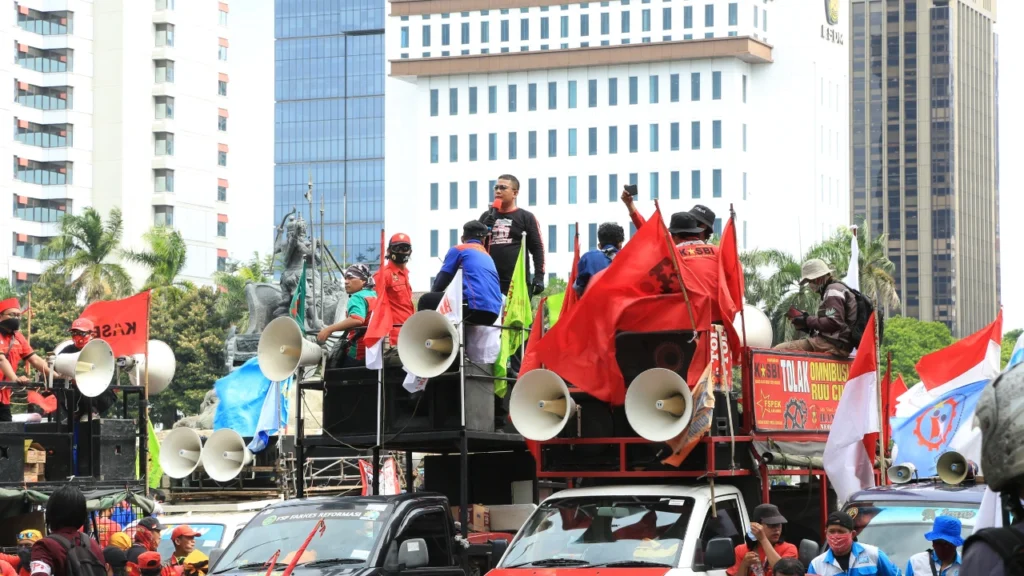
506,223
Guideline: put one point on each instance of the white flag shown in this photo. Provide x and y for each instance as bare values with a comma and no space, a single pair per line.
451,307
853,272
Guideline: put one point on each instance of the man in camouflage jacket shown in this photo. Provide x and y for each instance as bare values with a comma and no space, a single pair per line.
830,329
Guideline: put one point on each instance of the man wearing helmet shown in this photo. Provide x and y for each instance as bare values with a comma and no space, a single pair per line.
393,283
13,349
1000,416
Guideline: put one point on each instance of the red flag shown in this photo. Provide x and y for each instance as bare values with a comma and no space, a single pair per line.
124,324
731,286
896,389
570,293
531,360
381,317
625,298
47,403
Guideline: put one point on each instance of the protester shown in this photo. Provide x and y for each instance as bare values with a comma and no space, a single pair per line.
121,540
760,556
481,289
22,561
65,516
704,215
116,560
700,258
184,539
507,224
146,539
362,299
1000,417
610,237
13,349
149,565
393,283
942,559
847,556
789,567
830,330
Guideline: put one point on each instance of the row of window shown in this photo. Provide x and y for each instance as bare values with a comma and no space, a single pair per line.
164,216
163,181
169,5
676,183
46,23
163,109
46,61
44,98
654,142
163,145
36,210
44,173
43,135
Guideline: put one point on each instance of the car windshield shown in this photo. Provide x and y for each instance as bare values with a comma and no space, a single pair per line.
210,537
898,528
602,530
351,532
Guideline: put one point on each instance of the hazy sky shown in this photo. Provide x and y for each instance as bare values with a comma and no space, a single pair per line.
252,140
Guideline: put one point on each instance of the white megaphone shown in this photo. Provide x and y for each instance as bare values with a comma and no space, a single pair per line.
283,348
161,367
901,473
757,326
952,467
540,405
225,454
181,452
659,404
428,344
92,368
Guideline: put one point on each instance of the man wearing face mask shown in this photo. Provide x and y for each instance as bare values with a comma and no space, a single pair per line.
13,349
392,282
22,561
942,559
846,556
82,331
829,330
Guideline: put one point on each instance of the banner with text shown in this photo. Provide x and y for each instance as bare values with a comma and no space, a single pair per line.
796,392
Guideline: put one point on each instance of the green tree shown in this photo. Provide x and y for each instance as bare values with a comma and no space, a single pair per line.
165,257
232,304
6,290
555,286
1009,341
54,308
84,254
909,339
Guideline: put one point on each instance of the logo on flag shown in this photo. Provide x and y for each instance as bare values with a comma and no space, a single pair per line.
933,427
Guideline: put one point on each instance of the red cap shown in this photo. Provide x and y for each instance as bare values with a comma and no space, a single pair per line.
400,238
183,530
149,560
12,303
83,325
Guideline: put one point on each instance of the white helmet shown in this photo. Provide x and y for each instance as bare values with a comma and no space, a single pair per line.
1000,416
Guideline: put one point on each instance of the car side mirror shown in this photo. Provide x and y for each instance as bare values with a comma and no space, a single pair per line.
498,548
719,554
413,554
808,551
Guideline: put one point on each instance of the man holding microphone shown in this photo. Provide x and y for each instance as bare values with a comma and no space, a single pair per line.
13,349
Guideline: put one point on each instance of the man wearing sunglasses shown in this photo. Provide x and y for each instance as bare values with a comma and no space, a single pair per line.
13,349
506,223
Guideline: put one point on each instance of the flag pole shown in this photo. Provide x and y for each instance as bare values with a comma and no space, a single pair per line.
28,338
679,274
312,247
881,411
522,329
144,416
743,315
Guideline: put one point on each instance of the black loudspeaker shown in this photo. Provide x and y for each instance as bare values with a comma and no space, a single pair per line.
57,447
491,475
350,402
12,452
112,447
639,351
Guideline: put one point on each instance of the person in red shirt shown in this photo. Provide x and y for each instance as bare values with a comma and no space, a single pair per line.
65,516
759,557
700,262
393,283
21,561
13,349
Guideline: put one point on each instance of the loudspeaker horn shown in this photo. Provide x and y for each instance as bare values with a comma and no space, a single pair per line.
758,328
225,455
901,473
659,405
428,344
540,405
161,367
283,348
92,368
952,467
181,452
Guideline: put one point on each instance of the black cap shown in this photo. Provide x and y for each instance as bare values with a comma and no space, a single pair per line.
767,514
151,523
840,519
115,557
683,223
704,215
474,229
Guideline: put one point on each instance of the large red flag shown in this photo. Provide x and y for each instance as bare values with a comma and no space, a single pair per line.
531,361
570,293
123,324
731,286
581,347
381,317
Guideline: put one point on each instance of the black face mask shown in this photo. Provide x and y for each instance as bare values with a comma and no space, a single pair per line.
24,556
10,325
400,257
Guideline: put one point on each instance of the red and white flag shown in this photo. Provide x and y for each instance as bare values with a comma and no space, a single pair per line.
849,456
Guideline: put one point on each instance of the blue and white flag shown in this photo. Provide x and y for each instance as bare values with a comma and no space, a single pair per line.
250,404
1017,356
923,437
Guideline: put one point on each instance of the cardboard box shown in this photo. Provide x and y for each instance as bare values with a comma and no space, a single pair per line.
479,518
38,469
35,457
31,477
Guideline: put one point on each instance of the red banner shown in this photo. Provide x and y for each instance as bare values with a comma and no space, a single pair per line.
796,392
124,324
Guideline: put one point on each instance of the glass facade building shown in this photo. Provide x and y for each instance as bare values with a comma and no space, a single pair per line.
329,119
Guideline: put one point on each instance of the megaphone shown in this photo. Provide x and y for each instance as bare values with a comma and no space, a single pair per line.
225,454
659,405
428,344
92,368
161,367
283,348
540,405
901,473
758,328
952,467
181,452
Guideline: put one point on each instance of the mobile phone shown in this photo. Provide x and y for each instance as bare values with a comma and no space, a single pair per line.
794,313
631,188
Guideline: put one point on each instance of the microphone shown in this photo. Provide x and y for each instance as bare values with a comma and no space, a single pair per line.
492,214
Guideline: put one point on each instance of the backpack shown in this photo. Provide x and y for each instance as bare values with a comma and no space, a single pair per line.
865,307
80,559
1008,543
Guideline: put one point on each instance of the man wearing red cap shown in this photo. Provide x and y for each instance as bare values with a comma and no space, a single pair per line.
184,539
13,349
393,283
82,332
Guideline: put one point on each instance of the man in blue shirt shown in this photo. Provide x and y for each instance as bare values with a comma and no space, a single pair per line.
846,556
942,559
610,237
481,289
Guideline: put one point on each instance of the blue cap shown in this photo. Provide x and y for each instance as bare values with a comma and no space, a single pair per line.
945,528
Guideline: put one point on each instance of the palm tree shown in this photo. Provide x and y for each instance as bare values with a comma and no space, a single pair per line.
84,254
165,258
232,302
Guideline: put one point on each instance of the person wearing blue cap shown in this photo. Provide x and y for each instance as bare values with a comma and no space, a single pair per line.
942,559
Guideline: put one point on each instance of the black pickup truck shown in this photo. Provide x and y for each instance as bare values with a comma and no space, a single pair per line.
364,535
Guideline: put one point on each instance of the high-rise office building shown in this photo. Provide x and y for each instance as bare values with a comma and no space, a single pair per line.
923,167
329,120
116,105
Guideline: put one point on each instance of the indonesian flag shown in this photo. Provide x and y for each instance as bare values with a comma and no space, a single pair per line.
967,361
850,450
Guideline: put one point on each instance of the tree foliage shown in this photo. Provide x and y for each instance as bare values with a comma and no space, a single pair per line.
165,257
6,290
909,339
232,304
1009,341
54,308
84,254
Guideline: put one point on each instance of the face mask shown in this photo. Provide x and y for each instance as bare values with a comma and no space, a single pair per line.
11,324
400,257
840,543
24,555
80,341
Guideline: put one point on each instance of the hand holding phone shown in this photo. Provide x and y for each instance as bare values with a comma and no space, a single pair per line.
793,313
631,188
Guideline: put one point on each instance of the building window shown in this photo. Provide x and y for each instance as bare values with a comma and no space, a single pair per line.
552,238
492,146
453,148
453,101
492,99
465,32
572,189
634,90
625,22
531,191
426,35
222,193
695,135
695,183
716,134
434,101
613,91
163,180
453,195
744,185
552,143
485,32
531,144
572,141
164,143
592,236
165,71
504,30
552,95
605,23
653,96
512,100
433,243
164,34
433,150
222,158
405,37
163,216
472,195
584,25
687,16
531,97
654,138
674,136
634,137
716,85
572,237
592,93
222,121
592,141
565,26
512,146
674,182
453,238
756,11
572,93
744,88
544,28
446,34
552,191
472,147
673,88
733,14
433,196
164,107
709,15
222,50
165,4
744,137
222,87
613,187
222,229
472,100
716,183
695,86
613,139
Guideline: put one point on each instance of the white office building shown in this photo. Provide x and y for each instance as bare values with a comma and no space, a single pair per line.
716,102
115,103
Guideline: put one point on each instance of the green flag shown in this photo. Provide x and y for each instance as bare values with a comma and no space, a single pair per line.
555,307
155,471
297,309
517,314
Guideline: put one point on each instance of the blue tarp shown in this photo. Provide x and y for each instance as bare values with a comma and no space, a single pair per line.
242,395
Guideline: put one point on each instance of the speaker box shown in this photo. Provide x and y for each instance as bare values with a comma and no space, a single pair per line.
12,452
639,351
490,475
113,446
58,448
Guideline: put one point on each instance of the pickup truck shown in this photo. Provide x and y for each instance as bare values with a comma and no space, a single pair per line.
647,530
363,536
